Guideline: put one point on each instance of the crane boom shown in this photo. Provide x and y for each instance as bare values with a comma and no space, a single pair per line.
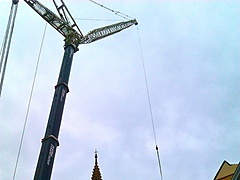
102,32
62,26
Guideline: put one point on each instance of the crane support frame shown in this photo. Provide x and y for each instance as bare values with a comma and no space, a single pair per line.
66,15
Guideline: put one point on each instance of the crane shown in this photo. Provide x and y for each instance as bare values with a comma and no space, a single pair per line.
7,42
65,25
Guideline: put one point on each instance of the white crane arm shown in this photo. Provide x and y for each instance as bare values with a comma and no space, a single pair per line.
106,31
59,24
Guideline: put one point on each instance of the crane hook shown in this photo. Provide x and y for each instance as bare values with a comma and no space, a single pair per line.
15,1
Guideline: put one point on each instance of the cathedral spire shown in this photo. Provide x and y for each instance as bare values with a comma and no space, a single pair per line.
96,175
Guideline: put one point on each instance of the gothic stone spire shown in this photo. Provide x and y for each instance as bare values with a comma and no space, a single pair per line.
96,175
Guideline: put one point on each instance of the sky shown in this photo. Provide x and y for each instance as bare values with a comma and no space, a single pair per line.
191,55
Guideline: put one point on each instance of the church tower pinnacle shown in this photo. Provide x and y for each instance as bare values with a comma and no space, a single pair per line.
96,175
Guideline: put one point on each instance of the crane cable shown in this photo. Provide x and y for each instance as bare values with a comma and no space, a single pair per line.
150,107
118,13
94,19
29,102
7,42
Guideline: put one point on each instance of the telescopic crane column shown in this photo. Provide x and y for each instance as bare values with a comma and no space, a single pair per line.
66,26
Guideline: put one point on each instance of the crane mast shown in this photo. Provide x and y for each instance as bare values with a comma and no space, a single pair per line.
66,26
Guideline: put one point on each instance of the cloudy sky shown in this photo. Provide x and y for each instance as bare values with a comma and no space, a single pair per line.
191,54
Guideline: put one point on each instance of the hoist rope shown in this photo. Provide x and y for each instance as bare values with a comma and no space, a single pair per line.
29,102
91,19
150,106
118,13
6,43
